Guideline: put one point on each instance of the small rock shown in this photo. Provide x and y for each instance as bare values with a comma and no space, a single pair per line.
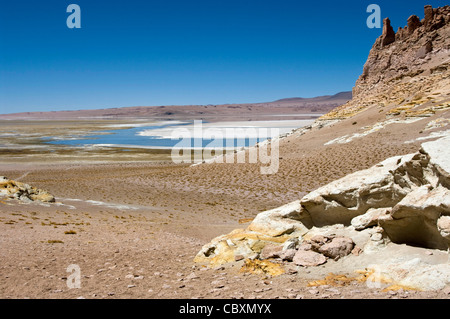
338,247
313,291
271,251
319,239
308,258
217,284
192,276
305,246
291,243
357,251
376,237
288,254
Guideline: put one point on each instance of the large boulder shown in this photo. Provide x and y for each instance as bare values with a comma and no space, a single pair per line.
380,186
414,219
411,274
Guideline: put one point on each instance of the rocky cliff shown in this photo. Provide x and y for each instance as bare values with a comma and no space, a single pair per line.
407,70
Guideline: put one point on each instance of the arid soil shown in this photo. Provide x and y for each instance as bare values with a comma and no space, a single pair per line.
134,227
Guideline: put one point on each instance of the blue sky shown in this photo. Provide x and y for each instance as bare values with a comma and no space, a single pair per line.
138,53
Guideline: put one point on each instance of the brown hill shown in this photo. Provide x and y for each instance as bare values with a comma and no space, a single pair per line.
253,111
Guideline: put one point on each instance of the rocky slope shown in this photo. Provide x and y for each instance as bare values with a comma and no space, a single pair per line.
406,71
373,217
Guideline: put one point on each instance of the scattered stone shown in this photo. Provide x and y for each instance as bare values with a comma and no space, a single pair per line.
192,276
217,284
308,258
288,255
313,291
271,251
338,247
357,251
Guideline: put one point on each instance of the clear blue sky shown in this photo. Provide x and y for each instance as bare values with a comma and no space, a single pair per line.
147,52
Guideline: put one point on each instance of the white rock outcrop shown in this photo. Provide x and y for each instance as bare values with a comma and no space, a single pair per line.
23,192
404,200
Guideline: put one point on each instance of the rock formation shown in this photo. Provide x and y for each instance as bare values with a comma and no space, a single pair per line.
23,192
408,69
388,35
404,199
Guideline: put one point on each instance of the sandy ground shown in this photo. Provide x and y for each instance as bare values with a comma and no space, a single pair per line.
134,227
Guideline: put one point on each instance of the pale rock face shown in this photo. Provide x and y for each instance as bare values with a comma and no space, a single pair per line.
23,192
279,221
414,219
414,274
439,153
380,186
370,218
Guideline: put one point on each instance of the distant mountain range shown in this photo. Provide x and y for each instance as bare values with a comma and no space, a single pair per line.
249,111
340,97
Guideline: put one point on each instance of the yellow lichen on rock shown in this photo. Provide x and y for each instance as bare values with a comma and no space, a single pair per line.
236,245
262,267
333,280
22,191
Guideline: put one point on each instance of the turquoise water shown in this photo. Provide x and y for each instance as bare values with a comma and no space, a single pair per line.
129,137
